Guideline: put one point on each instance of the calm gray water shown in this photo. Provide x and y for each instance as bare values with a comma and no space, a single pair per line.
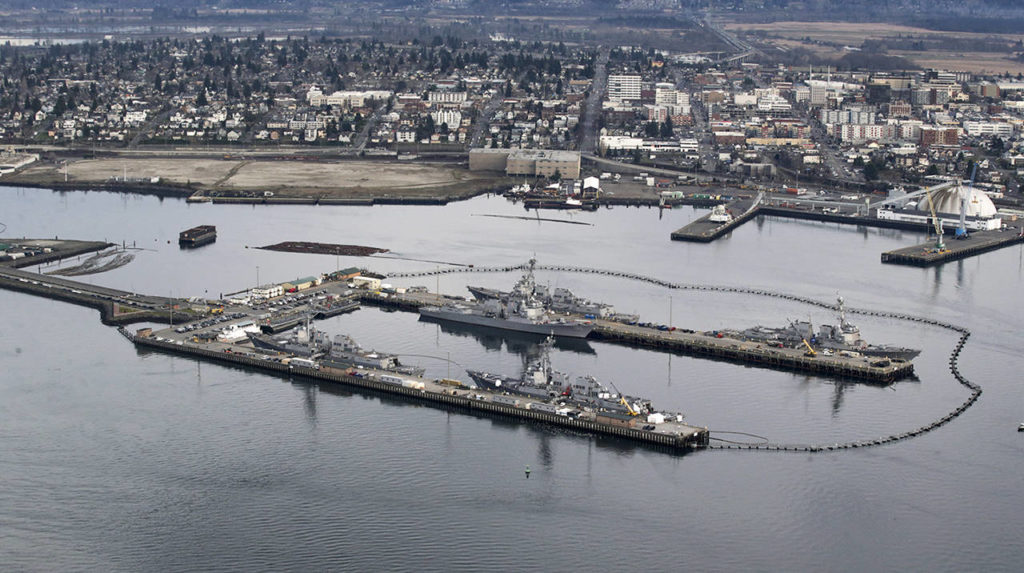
115,459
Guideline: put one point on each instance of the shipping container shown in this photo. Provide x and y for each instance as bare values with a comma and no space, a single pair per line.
505,400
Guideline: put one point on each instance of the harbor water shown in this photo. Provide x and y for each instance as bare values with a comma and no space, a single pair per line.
118,459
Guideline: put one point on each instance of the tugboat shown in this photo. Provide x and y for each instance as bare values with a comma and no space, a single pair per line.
542,381
719,214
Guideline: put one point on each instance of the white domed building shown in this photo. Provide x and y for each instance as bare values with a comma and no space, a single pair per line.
981,212
947,202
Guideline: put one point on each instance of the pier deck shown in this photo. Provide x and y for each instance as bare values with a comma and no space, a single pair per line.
672,434
869,369
925,255
704,230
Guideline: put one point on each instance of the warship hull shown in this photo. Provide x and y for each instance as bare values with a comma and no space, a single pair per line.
566,329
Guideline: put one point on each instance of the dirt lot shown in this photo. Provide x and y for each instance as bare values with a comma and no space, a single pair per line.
283,178
835,35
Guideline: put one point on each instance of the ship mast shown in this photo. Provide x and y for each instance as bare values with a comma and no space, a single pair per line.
842,312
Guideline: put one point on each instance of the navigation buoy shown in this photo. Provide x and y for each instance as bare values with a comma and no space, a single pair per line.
527,472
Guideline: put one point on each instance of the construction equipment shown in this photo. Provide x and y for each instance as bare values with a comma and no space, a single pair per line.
624,402
961,230
940,246
810,351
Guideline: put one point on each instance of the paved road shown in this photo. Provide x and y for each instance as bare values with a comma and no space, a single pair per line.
485,118
588,143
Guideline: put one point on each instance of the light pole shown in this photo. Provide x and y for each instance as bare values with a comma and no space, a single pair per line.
670,310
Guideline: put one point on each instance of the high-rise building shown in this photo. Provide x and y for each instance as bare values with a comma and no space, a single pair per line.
623,88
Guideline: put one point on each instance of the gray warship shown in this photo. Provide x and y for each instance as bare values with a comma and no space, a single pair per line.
544,382
342,352
521,310
841,337
346,353
558,300
304,340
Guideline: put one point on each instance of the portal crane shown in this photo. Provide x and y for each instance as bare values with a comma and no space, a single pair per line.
961,230
939,245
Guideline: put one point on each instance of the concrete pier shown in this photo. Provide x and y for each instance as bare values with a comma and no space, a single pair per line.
925,255
704,230
671,435
868,369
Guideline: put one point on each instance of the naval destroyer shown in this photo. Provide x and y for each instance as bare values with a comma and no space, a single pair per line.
305,341
542,381
521,310
841,337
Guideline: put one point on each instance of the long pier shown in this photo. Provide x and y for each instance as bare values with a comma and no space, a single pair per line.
926,255
678,438
875,370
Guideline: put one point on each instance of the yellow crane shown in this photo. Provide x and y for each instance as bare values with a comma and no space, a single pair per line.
810,351
624,402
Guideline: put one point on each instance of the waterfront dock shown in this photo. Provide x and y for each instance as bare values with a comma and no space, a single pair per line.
926,255
684,341
705,230
672,435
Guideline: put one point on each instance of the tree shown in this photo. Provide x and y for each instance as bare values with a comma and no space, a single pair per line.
666,128
201,99
996,145
651,129
870,172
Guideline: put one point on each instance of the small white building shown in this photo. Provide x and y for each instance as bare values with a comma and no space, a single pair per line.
267,291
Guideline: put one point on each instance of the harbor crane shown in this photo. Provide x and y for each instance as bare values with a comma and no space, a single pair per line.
965,196
940,246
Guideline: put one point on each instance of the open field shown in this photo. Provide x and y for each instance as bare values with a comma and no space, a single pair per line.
853,33
828,39
338,179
